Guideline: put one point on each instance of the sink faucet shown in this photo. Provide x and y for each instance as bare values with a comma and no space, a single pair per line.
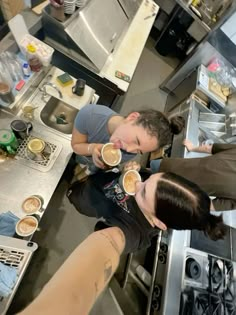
43,89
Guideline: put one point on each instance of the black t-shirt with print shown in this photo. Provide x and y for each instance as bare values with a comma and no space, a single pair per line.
101,196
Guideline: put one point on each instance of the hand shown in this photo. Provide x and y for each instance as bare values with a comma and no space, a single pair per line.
56,3
96,155
188,144
132,165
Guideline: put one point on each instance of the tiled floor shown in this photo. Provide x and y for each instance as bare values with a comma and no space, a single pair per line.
62,227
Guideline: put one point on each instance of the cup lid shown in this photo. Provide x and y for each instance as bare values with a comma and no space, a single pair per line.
6,136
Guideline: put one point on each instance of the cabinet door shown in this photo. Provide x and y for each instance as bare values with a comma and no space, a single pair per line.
98,28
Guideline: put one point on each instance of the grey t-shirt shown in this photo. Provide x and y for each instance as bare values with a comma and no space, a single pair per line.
92,121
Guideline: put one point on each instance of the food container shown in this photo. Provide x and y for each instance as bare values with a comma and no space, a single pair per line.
23,38
43,51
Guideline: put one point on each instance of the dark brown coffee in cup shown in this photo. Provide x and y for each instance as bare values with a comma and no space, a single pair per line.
130,180
110,155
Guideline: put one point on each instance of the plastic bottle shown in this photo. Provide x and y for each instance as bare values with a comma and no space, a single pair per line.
26,69
34,62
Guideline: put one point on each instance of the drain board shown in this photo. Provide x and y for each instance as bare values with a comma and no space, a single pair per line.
14,253
43,165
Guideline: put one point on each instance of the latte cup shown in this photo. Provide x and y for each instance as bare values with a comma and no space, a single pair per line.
128,181
26,226
32,205
111,156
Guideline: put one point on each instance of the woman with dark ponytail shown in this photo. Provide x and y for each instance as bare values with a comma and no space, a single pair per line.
162,200
181,204
139,132
158,125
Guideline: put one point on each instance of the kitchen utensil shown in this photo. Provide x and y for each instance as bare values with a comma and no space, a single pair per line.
8,141
21,128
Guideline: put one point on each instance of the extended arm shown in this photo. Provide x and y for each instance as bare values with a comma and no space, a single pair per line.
80,145
80,280
205,148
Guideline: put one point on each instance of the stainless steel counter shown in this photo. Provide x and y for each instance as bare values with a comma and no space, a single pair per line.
179,241
18,181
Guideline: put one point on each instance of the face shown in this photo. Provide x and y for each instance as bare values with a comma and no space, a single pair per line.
133,138
145,198
145,193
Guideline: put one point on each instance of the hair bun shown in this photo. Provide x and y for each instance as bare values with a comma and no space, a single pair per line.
177,124
215,229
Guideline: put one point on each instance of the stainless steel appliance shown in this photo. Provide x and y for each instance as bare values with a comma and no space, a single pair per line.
93,31
209,285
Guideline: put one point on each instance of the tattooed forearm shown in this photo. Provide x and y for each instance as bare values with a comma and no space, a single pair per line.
113,242
107,270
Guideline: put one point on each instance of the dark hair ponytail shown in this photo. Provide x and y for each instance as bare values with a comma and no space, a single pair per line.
183,205
177,124
158,125
215,227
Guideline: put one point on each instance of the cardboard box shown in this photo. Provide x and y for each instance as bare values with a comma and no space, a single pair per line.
11,8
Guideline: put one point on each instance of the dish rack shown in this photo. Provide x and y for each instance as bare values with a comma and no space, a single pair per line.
44,165
15,253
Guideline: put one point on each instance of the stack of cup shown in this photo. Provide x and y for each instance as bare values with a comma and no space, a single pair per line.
80,3
69,6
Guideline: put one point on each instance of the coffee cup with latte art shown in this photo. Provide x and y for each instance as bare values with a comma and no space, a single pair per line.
32,204
128,181
26,226
110,155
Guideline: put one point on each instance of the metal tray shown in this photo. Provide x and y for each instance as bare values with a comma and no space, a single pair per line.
209,117
15,253
23,156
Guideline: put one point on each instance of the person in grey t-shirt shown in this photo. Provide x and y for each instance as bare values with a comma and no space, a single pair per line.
139,132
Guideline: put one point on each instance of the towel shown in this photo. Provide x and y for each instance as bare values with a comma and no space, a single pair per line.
8,223
8,278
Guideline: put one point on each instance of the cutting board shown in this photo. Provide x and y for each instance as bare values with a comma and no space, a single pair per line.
69,97
38,9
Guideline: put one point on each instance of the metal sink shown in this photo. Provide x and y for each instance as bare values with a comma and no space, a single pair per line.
58,115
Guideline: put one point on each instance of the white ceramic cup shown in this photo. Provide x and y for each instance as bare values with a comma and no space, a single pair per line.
32,205
26,226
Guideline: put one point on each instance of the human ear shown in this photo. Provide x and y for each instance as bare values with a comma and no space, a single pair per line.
158,223
133,116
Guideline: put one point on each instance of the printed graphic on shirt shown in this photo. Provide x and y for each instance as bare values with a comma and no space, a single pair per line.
114,192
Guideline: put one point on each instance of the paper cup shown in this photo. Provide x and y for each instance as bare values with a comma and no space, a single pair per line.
128,181
110,155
